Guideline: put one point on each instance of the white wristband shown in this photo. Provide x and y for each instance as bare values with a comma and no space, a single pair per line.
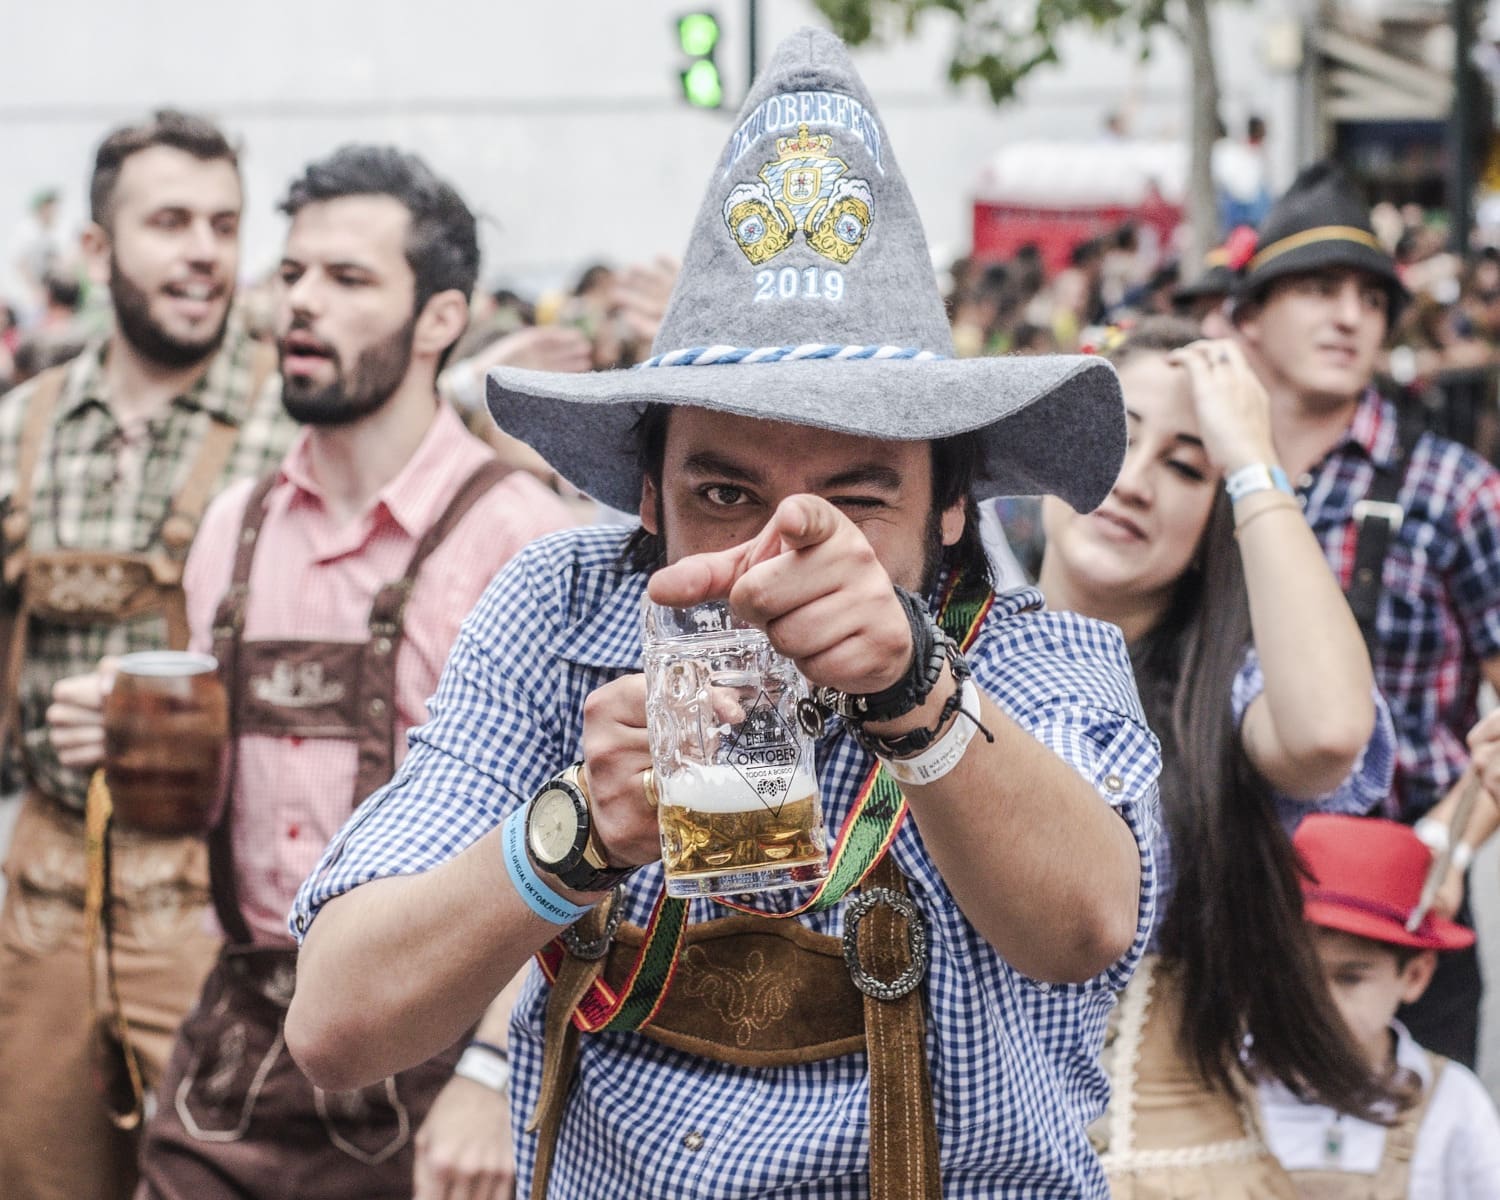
1433,834
1256,477
485,1067
944,754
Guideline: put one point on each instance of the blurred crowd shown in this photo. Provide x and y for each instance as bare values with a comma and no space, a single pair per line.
1449,336
1117,278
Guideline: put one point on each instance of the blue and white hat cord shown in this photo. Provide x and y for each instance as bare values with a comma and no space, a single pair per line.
705,356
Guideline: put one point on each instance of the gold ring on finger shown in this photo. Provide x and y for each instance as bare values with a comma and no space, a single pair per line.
648,785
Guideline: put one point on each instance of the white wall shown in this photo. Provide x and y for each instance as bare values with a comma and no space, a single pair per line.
557,120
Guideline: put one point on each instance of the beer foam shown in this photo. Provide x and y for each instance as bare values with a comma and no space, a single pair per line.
166,663
724,789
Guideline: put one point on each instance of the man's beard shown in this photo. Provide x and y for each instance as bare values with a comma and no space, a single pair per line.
377,373
147,338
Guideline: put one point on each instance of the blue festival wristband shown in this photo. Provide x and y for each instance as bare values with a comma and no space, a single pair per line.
1257,477
541,899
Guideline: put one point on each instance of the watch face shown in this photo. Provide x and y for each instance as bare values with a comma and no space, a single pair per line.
552,827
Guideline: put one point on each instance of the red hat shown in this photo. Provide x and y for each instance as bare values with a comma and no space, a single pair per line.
1366,878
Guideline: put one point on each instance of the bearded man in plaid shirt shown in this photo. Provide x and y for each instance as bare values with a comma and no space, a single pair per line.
106,464
805,447
1409,521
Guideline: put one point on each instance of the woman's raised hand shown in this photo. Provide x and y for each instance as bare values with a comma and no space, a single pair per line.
1234,413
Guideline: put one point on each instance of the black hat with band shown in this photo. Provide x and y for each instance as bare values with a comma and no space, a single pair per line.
1319,222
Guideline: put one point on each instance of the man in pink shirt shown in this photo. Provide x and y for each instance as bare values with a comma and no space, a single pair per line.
331,592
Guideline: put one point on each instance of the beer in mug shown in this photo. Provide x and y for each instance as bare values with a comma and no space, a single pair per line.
166,736
738,793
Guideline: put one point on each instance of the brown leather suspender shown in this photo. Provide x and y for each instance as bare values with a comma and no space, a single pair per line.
317,688
15,531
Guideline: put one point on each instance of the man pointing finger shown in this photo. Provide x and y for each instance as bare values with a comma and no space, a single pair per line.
802,446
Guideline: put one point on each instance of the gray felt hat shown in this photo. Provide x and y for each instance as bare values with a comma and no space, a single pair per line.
807,296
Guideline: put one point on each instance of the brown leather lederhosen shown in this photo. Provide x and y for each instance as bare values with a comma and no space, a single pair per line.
94,587
757,992
1392,1179
233,1104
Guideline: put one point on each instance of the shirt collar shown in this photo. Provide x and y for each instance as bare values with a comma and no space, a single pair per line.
1373,428
85,382
219,391
1410,1055
415,496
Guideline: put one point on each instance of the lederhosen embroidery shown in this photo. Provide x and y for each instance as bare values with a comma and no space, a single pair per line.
754,992
1392,1179
315,689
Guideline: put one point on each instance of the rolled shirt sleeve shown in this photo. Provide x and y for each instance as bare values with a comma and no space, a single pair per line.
1368,782
1067,681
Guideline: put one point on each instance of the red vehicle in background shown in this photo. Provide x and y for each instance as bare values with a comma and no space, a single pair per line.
1057,195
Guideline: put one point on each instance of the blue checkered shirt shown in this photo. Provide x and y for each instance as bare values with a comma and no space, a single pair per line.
1439,610
1367,784
1014,1063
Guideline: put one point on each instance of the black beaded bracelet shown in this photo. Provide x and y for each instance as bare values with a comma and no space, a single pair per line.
910,692
917,740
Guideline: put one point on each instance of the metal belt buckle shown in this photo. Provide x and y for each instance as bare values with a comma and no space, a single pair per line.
1392,514
599,947
916,942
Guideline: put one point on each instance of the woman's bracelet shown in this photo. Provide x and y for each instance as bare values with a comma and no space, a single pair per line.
1287,505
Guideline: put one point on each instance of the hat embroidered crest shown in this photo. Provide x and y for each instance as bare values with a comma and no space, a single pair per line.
807,296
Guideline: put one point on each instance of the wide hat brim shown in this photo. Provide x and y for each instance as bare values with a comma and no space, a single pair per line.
1047,425
1434,933
1318,256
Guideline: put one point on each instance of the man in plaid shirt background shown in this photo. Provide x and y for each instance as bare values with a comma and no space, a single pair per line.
129,422
1316,300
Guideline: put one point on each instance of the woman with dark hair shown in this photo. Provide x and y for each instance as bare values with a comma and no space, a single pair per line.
1255,678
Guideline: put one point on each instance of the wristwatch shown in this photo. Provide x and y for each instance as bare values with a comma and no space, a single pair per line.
560,835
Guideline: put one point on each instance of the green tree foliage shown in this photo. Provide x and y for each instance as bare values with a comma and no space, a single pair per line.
1000,42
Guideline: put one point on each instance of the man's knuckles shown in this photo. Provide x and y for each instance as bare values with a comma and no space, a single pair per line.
620,702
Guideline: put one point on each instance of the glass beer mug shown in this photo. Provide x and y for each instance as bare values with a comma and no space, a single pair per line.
734,771
166,739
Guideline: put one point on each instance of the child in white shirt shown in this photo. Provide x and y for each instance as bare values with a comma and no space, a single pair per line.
1366,880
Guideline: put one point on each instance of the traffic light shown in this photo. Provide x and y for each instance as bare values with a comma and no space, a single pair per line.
698,37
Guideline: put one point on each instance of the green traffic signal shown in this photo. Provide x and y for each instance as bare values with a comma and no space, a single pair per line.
697,37
702,86
698,34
